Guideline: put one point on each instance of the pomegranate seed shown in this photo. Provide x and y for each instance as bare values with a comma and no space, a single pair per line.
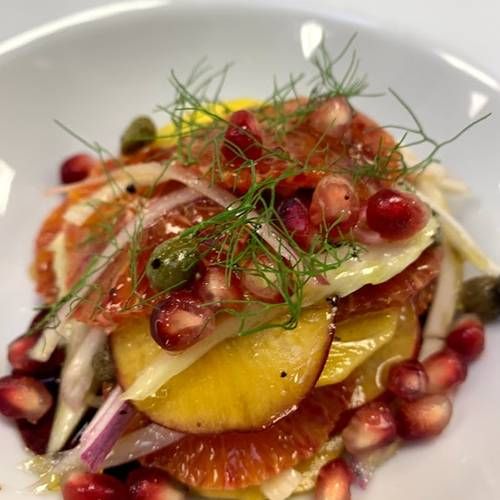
260,280
467,337
213,288
444,369
371,427
24,397
396,215
334,203
180,321
21,362
151,484
423,418
87,486
408,380
295,217
334,481
242,140
76,168
363,233
332,117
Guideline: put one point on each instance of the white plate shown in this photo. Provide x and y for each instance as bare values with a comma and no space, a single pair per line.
94,77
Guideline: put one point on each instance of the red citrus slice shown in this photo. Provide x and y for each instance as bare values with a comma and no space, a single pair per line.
399,290
233,460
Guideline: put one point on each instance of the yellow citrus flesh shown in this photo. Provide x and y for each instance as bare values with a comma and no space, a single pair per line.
370,379
243,383
169,134
355,341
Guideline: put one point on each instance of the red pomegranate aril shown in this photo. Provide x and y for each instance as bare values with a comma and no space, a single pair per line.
150,483
295,217
408,380
423,418
87,486
21,362
261,281
217,289
76,168
396,215
242,139
371,427
467,337
180,321
445,369
334,205
332,117
363,234
334,481
24,397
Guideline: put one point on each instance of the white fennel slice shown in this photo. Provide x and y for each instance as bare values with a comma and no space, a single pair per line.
376,265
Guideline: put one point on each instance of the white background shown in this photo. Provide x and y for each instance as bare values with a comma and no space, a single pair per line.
470,27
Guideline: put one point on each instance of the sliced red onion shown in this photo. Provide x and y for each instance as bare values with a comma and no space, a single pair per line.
105,429
78,373
155,209
139,443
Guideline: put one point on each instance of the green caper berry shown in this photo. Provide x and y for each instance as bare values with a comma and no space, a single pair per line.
140,133
104,369
481,296
171,264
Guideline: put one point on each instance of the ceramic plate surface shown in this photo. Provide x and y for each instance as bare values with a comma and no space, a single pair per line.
96,75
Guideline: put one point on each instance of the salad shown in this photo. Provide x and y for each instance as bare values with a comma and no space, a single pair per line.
262,298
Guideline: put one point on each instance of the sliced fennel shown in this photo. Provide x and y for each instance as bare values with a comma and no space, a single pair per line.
376,265
79,372
460,239
139,175
281,486
66,417
443,306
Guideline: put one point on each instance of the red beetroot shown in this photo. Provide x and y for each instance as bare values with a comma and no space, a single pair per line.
87,486
76,168
295,216
334,481
180,321
467,337
243,139
24,397
396,215
334,205
151,484
332,117
217,289
408,380
423,418
371,427
445,369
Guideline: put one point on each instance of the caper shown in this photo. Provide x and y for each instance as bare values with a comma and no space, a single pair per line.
171,264
104,369
140,133
481,296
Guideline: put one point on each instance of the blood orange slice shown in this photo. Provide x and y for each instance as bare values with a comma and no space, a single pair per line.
234,460
397,291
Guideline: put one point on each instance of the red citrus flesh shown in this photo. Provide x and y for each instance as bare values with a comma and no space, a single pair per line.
397,291
234,460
